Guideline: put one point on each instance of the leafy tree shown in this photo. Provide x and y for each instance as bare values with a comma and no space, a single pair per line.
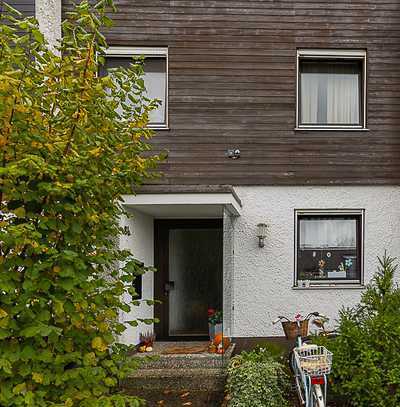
366,357
72,142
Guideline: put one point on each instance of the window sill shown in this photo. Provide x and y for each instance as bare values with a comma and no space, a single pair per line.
334,286
315,128
158,128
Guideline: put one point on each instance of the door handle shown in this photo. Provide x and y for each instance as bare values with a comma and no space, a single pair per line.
168,286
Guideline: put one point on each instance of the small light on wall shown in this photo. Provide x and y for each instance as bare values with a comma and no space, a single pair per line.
261,234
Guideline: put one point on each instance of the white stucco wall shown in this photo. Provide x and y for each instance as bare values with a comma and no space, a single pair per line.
141,244
48,14
263,278
228,271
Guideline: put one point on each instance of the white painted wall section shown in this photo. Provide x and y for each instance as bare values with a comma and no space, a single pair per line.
48,14
141,244
263,277
228,271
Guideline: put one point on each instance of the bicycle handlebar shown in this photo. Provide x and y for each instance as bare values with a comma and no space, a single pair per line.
280,317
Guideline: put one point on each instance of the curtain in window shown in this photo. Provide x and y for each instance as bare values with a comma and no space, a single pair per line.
155,81
324,233
330,93
310,106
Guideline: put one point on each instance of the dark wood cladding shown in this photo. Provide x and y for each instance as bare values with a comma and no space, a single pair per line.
232,81
26,7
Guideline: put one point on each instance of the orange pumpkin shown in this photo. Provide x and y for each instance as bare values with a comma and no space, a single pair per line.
219,338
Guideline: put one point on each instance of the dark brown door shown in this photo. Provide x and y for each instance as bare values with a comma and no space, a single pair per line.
188,257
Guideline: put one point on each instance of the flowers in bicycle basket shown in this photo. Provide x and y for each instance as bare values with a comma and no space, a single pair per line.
298,317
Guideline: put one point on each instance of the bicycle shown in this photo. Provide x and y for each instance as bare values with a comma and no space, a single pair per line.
310,364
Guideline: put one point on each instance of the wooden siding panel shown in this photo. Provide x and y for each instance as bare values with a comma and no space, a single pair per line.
26,7
232,84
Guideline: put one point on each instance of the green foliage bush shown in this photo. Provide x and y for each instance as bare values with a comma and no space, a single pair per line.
256,378
366,356
278,351
67,155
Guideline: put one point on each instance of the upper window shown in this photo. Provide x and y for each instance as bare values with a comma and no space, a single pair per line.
155,76
328,247
331,89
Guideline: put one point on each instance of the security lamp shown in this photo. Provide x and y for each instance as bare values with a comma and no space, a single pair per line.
261,233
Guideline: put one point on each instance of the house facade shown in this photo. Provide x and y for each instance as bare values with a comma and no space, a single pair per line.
281,123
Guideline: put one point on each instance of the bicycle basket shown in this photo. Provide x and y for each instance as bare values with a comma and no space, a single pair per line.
292,330
313,360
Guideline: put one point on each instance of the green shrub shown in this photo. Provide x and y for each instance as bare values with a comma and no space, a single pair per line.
366,356
256,379
277,351
67,156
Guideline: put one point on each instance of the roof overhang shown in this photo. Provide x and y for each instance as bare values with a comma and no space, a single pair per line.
209,203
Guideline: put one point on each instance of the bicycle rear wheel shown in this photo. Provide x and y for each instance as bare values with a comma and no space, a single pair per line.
318,397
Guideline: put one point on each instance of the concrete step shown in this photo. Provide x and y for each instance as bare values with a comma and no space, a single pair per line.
186,361
161,380
158,360
171,380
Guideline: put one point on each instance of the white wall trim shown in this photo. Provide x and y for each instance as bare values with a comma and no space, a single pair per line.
335,53
222,199
139,51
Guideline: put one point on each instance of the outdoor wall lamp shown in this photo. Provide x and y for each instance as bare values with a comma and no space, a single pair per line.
261,234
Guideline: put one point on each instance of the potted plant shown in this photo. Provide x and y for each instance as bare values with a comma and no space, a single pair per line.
146,342
214,322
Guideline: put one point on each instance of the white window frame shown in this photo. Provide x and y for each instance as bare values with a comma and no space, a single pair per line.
310,284
146,52
339,54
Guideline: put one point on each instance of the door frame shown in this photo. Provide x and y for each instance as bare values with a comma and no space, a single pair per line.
161,264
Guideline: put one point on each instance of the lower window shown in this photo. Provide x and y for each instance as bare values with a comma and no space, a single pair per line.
329,247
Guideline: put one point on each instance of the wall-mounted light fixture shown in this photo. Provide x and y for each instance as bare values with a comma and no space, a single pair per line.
233,153
261,233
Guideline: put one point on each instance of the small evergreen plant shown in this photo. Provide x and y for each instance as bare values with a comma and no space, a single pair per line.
366,356
72,142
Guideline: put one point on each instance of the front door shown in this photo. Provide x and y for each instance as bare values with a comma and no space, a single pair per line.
188,257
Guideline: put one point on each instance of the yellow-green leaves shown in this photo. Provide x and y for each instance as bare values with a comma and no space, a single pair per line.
90,359
37,377
20,388
67,158
99,344
110,382
4,319
6,366
58,308
19,212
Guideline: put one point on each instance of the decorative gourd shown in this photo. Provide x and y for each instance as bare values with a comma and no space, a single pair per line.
219,338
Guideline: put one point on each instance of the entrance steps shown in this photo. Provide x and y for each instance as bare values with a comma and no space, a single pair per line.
180,379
